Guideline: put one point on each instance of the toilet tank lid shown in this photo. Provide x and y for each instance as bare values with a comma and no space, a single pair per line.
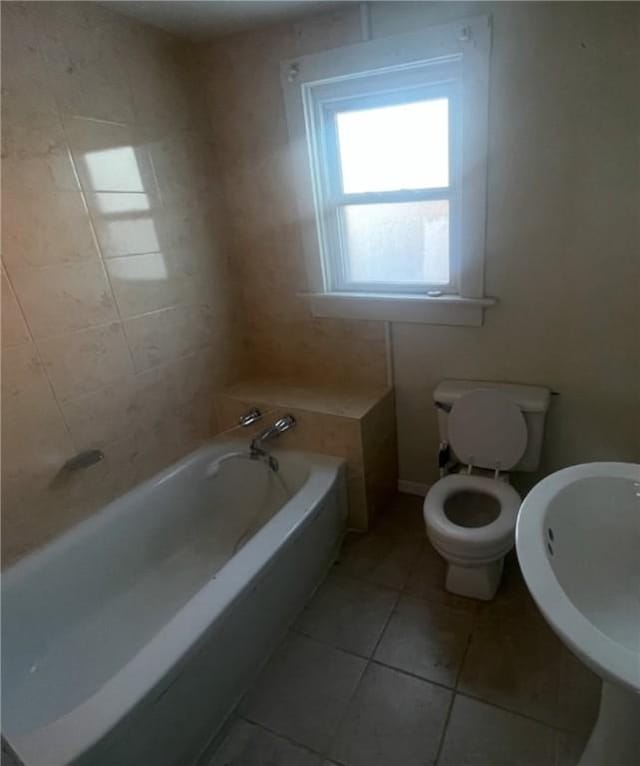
528,398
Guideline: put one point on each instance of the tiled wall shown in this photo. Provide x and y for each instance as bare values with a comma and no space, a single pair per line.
282,339
116,323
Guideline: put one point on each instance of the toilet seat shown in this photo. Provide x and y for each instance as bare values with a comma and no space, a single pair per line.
471,543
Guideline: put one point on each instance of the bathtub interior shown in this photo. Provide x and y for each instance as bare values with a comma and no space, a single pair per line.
604,585
78,611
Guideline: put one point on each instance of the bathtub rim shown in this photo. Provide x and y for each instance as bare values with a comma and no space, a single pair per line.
153,669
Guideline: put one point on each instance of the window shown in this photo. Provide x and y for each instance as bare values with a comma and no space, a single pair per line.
391,185
389,138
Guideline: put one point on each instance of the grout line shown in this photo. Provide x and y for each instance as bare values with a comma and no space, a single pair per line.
43,366
445,728
279,734
327,753
504,709
408,673
443,735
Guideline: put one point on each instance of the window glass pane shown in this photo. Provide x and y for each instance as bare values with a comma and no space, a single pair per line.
404,146
405,242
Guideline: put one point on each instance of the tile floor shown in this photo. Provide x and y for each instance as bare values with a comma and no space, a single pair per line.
385,668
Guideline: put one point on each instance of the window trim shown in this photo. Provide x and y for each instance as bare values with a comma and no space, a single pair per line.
310,82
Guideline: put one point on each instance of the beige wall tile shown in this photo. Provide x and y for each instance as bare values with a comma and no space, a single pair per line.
79,83
25,388
85,65
134,404
45,227
35,153
110,157
14,328
61,299
103,416
25,88
82,362
125,224
182,164
35,444
160,337
160,85
144,283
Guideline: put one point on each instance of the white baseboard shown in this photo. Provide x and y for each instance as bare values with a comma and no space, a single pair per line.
413,487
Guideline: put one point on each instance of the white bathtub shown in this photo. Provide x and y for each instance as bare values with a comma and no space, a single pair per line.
130,638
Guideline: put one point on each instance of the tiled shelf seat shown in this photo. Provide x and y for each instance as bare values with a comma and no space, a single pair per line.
355,423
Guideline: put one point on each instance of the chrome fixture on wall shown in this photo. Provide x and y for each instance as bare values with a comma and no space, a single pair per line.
250,417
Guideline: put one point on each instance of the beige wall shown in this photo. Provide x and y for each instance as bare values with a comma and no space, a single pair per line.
563,252
563,234
115,315
282,339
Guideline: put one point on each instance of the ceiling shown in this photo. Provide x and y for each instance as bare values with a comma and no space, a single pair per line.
206,19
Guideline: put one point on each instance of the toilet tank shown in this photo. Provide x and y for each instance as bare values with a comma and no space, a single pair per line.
532,400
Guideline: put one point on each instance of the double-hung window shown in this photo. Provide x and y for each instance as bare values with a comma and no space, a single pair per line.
389,138
391,205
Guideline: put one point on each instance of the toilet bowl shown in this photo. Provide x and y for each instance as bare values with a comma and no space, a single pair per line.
471,523
470,518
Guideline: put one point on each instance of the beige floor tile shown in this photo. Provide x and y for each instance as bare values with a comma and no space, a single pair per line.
427,581
578,695
249,745
348,614
426,639
378,559
303,692
403,518
513,594
393,720
482,735
514,661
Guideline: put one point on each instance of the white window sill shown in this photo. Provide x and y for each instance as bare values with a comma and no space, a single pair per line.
443,309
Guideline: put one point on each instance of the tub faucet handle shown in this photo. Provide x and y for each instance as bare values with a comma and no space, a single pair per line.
250,417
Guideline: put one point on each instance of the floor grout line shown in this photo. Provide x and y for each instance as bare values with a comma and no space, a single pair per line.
445,728
276,733
327,753
504,709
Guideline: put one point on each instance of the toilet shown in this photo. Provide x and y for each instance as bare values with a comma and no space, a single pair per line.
491,430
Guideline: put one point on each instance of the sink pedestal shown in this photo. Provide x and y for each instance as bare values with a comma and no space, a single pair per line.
615,739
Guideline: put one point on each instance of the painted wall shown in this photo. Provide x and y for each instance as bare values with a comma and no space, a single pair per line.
563,235
563,250
116,322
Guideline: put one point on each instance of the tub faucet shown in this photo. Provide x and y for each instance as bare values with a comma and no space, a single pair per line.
281,425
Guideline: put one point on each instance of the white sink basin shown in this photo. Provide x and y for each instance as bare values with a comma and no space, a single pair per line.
578,543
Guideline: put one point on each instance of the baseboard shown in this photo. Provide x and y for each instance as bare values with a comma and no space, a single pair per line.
413,487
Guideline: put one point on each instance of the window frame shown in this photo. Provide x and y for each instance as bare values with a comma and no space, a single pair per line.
450,58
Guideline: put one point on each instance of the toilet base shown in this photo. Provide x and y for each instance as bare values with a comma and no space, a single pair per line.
478,581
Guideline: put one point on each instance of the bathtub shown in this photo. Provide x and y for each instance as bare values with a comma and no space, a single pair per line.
129,639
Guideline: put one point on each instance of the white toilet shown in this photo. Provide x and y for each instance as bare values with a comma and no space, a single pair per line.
491,428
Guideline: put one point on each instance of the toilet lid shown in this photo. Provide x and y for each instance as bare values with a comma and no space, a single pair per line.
487,430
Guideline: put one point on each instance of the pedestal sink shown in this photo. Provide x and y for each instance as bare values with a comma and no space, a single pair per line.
578,543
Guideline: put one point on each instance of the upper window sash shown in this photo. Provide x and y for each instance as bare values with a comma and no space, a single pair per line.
398,97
